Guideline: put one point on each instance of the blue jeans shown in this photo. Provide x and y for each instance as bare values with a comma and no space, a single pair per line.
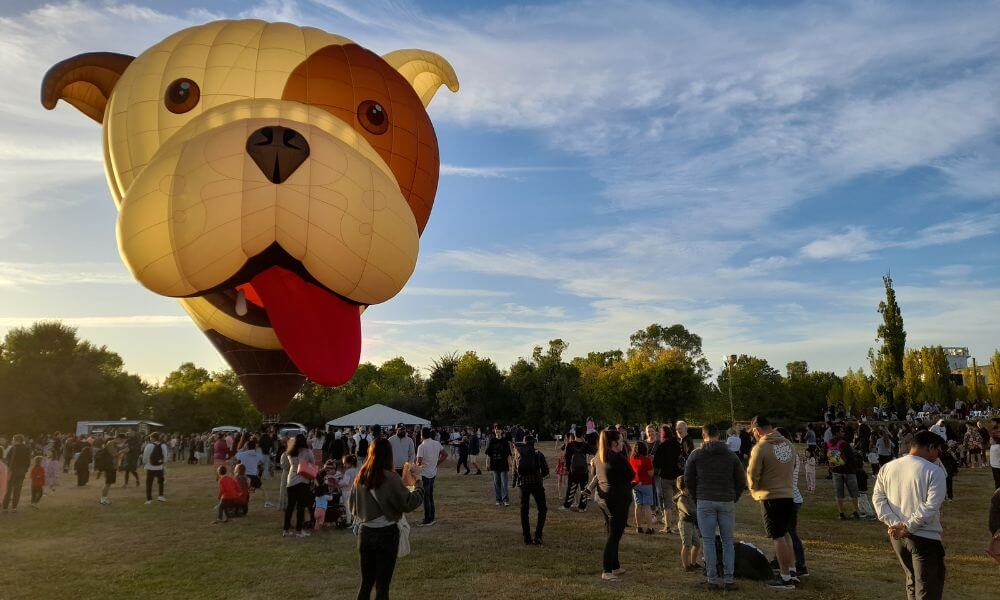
429,513
500,479
714,515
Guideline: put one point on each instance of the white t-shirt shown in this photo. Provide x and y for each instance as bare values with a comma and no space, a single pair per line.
995,456
733,443
429,451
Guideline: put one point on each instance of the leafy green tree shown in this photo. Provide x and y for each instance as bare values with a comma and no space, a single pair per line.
887,363
936,377
657,337
477,393
994,379
191,399
49,379
757,389
442,370
548,388
808,392
796,368
602,385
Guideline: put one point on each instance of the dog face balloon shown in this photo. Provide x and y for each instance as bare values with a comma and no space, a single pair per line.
273,178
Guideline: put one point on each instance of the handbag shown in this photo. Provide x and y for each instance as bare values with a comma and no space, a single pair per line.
404,531
307,470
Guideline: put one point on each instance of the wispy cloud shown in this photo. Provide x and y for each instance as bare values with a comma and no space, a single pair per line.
856,242
454,292
19,275
493,172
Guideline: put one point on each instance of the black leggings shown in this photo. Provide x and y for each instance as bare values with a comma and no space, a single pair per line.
377,547
152,474
618,516
298,500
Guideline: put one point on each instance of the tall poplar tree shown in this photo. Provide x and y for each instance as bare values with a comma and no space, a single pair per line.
887,363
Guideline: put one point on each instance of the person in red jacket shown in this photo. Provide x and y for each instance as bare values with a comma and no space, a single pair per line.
229,495
37,481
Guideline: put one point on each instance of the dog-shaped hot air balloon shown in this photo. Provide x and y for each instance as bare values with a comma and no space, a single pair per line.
273,178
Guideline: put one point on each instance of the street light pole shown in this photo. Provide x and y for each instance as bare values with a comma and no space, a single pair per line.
730,360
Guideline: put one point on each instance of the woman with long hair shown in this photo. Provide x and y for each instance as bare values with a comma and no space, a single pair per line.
298,452
614,486
379,499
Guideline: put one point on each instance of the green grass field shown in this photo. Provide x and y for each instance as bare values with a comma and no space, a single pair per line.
71,547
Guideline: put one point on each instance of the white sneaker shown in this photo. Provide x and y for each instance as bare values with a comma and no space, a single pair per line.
148,502
303,534
618,572
161,499
609,577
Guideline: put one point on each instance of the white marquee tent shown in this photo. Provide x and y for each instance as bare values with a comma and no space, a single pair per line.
377,414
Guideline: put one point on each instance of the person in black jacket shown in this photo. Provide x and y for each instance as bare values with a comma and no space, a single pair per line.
82,464
18,459
531,469
614,487
577,470
666,468
498,454
715,479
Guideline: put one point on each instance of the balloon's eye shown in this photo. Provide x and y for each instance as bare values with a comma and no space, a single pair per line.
182,95
373,117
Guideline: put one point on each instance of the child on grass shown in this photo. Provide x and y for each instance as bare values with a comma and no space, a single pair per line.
687,525
561,472
322,494
52,468
347,481
810,463
37,481
240,475
229,495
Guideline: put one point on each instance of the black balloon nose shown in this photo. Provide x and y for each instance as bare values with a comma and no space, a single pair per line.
278,151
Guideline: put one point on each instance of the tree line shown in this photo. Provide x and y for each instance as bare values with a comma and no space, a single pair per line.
49,379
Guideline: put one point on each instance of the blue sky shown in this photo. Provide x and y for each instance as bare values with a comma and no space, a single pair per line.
747,169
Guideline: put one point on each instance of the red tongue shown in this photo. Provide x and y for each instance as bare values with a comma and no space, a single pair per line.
319,331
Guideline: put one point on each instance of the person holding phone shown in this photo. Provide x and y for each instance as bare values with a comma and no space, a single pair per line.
379,500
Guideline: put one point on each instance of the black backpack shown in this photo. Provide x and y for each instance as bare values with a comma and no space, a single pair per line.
750,562
103,462
530,464
578,462
156,456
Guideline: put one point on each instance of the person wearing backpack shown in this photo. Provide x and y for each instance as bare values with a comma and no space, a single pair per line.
530,469
104,462
153,457
578,473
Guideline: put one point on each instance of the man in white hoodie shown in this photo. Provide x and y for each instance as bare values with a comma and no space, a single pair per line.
908,496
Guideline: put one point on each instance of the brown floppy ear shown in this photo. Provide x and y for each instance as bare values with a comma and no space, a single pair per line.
85,81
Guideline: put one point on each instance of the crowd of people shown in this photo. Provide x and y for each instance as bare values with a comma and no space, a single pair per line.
367,479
